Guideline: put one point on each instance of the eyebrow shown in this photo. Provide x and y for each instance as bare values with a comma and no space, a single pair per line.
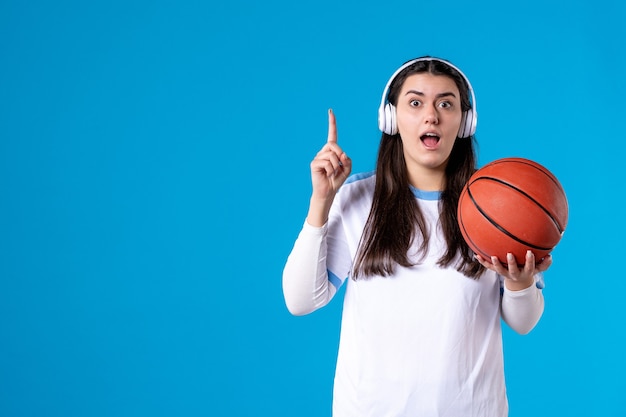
419,93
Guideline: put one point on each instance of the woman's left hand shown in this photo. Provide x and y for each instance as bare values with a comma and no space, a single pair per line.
516,278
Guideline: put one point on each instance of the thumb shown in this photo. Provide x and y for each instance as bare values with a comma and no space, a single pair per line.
346,165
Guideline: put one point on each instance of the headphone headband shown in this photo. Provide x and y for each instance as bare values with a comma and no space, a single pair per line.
387,111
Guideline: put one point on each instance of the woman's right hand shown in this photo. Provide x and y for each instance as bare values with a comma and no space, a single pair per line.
329,170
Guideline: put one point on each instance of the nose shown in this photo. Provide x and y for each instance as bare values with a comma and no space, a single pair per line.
431,117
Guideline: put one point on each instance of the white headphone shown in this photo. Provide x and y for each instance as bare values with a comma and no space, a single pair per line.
387,111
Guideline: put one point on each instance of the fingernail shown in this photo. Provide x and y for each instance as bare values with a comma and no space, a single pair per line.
510,256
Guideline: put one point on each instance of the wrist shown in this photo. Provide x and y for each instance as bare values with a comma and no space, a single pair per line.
318,211
517,285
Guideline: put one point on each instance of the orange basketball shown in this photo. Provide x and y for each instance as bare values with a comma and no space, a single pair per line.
512,205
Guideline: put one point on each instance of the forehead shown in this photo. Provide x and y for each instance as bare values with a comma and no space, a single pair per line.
427,83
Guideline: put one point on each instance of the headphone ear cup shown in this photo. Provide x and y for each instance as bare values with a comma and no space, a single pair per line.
382,118
468,124
386,118
463,126
391,128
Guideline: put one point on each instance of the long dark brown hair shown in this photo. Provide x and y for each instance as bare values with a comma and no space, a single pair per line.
395,219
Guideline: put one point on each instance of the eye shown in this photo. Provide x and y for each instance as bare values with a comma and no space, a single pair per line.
445,104
415,103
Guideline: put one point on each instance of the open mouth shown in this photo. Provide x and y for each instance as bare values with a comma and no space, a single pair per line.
430,140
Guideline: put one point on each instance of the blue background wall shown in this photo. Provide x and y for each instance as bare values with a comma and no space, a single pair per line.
154,175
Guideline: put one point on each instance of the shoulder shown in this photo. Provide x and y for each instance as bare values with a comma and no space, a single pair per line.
357,192
359,182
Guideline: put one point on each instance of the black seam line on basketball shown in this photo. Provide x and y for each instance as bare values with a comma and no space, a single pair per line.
500,228
525,194
468,237
543,170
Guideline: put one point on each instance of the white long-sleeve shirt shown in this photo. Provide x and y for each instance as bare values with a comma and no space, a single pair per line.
424,342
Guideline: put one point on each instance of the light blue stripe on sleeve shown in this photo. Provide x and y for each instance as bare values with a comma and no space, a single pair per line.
334,279
357,177
539,281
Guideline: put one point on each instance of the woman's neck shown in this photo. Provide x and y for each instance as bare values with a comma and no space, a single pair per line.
428,179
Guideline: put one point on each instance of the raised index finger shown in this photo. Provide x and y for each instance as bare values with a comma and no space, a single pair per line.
332,127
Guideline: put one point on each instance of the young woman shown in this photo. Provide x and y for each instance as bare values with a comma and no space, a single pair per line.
420,332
